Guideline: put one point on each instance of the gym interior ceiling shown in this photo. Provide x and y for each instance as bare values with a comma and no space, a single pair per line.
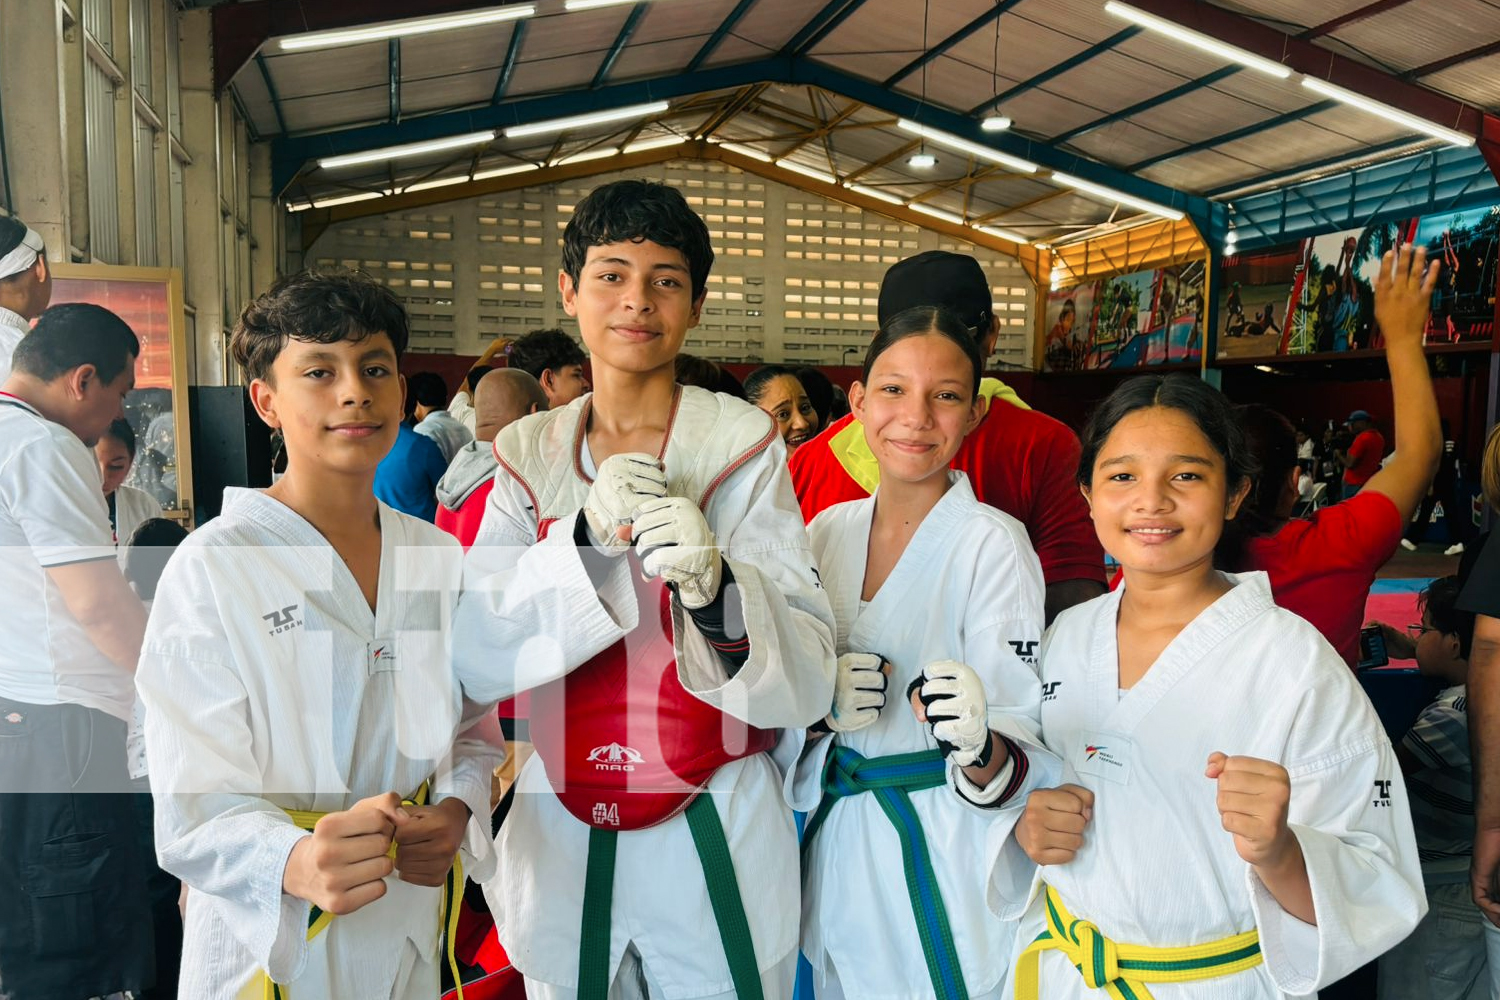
1114,119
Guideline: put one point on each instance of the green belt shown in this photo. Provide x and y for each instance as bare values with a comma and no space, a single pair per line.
723,894
890,779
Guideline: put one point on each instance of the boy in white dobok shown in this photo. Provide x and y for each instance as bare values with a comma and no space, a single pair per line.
643,572
1232,822
945,595
314,765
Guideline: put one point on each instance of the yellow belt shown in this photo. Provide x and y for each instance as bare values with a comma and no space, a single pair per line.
1122,970
318,920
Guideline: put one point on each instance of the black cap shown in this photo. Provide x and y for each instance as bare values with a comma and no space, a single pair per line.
954,281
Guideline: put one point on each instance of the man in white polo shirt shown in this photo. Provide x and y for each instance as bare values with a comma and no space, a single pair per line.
74,918
25,286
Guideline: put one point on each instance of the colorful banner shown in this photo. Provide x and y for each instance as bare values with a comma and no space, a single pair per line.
1127,321
1316,296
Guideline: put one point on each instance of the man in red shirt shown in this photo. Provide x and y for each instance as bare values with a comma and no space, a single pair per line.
1362,460
1021,461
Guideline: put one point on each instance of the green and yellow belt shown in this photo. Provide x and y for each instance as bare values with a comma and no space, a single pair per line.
1123,970
318,919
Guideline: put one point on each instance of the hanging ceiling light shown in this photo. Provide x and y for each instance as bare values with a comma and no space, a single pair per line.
940,138
584,121
995,123
409,149
875,193
1387,112
922,160
1118,197
400,29
1198,40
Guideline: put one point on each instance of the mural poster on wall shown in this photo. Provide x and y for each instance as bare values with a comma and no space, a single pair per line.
1316,296
1127,321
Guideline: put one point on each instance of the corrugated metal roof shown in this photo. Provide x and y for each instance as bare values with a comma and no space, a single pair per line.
327,90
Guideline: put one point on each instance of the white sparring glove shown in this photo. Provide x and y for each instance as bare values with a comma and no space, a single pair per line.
858,692
622,484
957,711
675,543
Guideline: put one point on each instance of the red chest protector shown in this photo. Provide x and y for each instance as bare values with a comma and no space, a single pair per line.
625,745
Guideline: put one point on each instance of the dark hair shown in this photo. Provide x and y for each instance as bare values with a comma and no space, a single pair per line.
122,432
146,552
1207,407
819,392
689,369
475,374
757,381
545,350
1439,602
315,306
12,232
428,389
74,334
635,211
1272,443
920,320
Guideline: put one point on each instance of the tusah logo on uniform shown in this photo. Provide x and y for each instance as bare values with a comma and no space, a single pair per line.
615,757
606,813
283,620
1025,650
1382,798
1049,690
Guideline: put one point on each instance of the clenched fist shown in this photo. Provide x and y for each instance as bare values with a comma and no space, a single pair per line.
1253,798
342,866
1051,828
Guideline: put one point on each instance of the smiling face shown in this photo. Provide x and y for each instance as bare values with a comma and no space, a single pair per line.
1159,496
337,405
634,305
786,401
917,406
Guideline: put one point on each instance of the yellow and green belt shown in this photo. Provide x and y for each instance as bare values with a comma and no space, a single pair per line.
318,919
1123,970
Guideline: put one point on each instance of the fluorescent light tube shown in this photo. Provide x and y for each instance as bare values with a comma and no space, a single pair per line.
409,149
583,121
520,168
593,154
1387,112
936,213
875,193
815,174
401,29
1004,234
974,149
1198,40
660,142
1118,197
749,151
440,182
348,198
